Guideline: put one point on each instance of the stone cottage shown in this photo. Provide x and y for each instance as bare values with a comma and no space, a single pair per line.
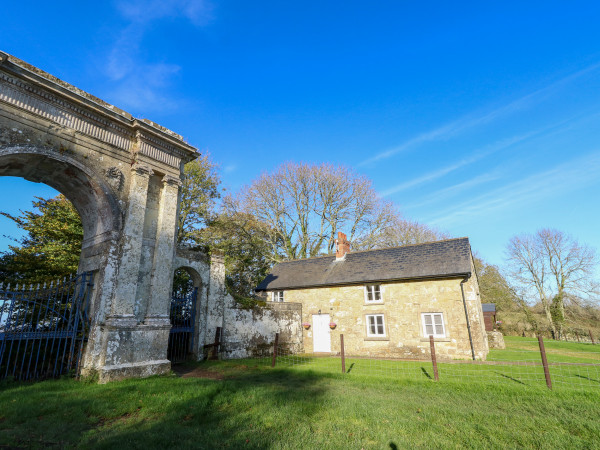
386,302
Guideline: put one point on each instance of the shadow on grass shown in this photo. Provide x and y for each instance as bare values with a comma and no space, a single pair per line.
250,409
350,368
426,373
587,378
510,378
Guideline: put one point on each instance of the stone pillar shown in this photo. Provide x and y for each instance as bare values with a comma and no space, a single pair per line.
131,349
123,304
164,253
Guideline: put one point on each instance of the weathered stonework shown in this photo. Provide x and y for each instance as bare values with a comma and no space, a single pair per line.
496,340
245,333
122,176
251,332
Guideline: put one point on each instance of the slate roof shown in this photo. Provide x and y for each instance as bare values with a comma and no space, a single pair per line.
440,259
488,307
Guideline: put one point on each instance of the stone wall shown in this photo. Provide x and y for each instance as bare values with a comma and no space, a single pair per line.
402,306
245,332
251,332
496,340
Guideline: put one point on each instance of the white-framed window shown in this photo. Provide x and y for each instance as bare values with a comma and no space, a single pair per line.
277,296
373,293
375,325
433,325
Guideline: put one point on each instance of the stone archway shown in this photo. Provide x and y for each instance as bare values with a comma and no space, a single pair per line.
123,177
191,292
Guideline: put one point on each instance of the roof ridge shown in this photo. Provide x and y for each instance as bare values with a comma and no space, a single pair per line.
376,249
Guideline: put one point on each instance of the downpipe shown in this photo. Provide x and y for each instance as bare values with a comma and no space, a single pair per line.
462,290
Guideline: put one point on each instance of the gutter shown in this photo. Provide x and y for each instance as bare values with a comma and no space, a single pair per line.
462,290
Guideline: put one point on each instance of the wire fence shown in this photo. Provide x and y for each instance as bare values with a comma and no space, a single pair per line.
525,362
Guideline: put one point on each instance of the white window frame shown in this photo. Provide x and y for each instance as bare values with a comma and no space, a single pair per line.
277,296
368,320
433,324
373,289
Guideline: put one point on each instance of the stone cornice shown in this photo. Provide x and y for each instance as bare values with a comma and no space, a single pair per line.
172,181
38,92
142,170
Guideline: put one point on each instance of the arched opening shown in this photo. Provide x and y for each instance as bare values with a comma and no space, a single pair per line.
184,315
43,328
90,195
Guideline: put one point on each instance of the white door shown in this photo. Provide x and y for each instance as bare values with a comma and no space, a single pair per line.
321,333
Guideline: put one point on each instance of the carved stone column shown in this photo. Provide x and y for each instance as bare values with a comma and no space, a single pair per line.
128,350
164,252
123,304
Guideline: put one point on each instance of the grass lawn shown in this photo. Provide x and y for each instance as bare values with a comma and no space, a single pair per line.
249,405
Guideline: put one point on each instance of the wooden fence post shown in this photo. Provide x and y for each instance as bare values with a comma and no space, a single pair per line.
545,362
215,349
342,353
275,349
433,360
591,337
577,334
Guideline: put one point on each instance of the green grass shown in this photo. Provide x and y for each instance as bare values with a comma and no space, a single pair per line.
518,349
307,405
572,366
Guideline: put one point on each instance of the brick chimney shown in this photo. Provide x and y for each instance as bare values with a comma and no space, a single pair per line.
342,246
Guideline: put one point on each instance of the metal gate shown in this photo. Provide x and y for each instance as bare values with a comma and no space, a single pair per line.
43,329
183,321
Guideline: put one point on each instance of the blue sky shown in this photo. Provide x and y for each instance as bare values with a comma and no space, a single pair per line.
479,118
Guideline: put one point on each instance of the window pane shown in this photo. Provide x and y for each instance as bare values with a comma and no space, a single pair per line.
439,330
370,294
379,320
428,329
373,328
427,319
380,329
377,293
438,319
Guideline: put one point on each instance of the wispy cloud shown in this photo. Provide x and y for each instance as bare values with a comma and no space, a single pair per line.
230,168
138,83
199,12
567,177
472,121
477,155
450,191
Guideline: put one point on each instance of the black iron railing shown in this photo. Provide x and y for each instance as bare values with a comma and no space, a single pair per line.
183,320
43,329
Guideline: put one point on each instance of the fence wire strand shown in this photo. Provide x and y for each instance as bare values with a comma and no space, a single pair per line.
579,367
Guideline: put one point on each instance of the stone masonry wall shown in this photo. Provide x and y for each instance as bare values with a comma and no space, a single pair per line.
250,333
245,333
403,303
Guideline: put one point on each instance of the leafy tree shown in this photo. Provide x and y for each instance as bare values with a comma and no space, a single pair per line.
199,195
493,286
51,246
242,241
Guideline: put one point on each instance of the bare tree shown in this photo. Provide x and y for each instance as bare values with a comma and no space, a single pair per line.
553,268
302,207
401,232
